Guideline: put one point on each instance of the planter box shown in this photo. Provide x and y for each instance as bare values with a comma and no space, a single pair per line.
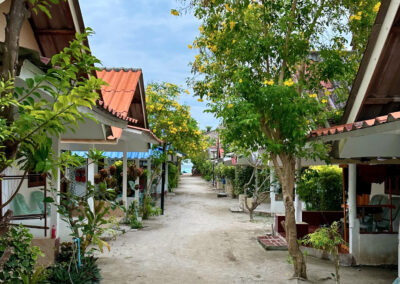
344,259
117,212
49,248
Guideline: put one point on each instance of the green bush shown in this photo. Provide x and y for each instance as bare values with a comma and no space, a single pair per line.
132,216
321,188
148,208
22,261
68,272
173,176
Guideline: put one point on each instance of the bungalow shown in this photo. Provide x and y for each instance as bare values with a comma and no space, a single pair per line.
115,130
368,144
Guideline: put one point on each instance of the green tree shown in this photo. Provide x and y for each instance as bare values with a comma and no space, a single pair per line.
171,121
260,65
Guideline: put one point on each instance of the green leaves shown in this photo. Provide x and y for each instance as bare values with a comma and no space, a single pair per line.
47,105
22,260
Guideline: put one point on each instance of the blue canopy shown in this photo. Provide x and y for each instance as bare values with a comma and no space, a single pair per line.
119,155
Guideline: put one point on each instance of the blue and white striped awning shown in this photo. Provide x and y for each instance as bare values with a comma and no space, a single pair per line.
130,155
119,155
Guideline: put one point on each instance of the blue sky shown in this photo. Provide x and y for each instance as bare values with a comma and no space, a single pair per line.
144,34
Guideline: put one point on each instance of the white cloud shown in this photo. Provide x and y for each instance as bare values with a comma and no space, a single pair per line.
143,34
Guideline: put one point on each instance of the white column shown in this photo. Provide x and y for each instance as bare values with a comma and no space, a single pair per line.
90,176
55,183
148,173
272,190
298,204
125,179
352,205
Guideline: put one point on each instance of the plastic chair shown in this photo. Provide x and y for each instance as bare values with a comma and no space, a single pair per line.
384,224
131,185
36,201
367,222
19,207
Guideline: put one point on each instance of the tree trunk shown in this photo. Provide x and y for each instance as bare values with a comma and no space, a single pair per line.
286,176
251,214
337,265
15,18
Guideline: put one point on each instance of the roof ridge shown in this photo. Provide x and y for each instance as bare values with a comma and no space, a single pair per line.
117,69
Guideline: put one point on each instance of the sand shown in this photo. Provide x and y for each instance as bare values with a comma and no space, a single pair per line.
199,240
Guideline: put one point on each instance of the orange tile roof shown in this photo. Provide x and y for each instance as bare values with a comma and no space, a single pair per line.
118,94
356,125
122,84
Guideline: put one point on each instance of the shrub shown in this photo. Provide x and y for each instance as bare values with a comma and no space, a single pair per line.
132,216
328,239
148,209
68,272
321,188
22,262
173,176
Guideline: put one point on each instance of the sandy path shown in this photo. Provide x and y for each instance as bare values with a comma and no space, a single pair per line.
199,240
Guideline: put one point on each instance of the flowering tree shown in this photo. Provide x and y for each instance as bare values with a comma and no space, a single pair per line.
171,121
261,64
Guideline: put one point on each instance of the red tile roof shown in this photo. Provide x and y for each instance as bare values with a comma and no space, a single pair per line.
121,88
356,125
118,94
119,115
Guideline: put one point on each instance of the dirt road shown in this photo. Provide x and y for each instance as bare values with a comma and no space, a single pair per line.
199,240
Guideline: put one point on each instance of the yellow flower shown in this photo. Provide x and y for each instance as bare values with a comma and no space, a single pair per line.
376,7
190,46
312,95
228,8
232,25
233,41
169,122
174,12
230,105
240,80
288,83
187,92
249,6
200,100
269,82
150,107
338,112
214,48
324,101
